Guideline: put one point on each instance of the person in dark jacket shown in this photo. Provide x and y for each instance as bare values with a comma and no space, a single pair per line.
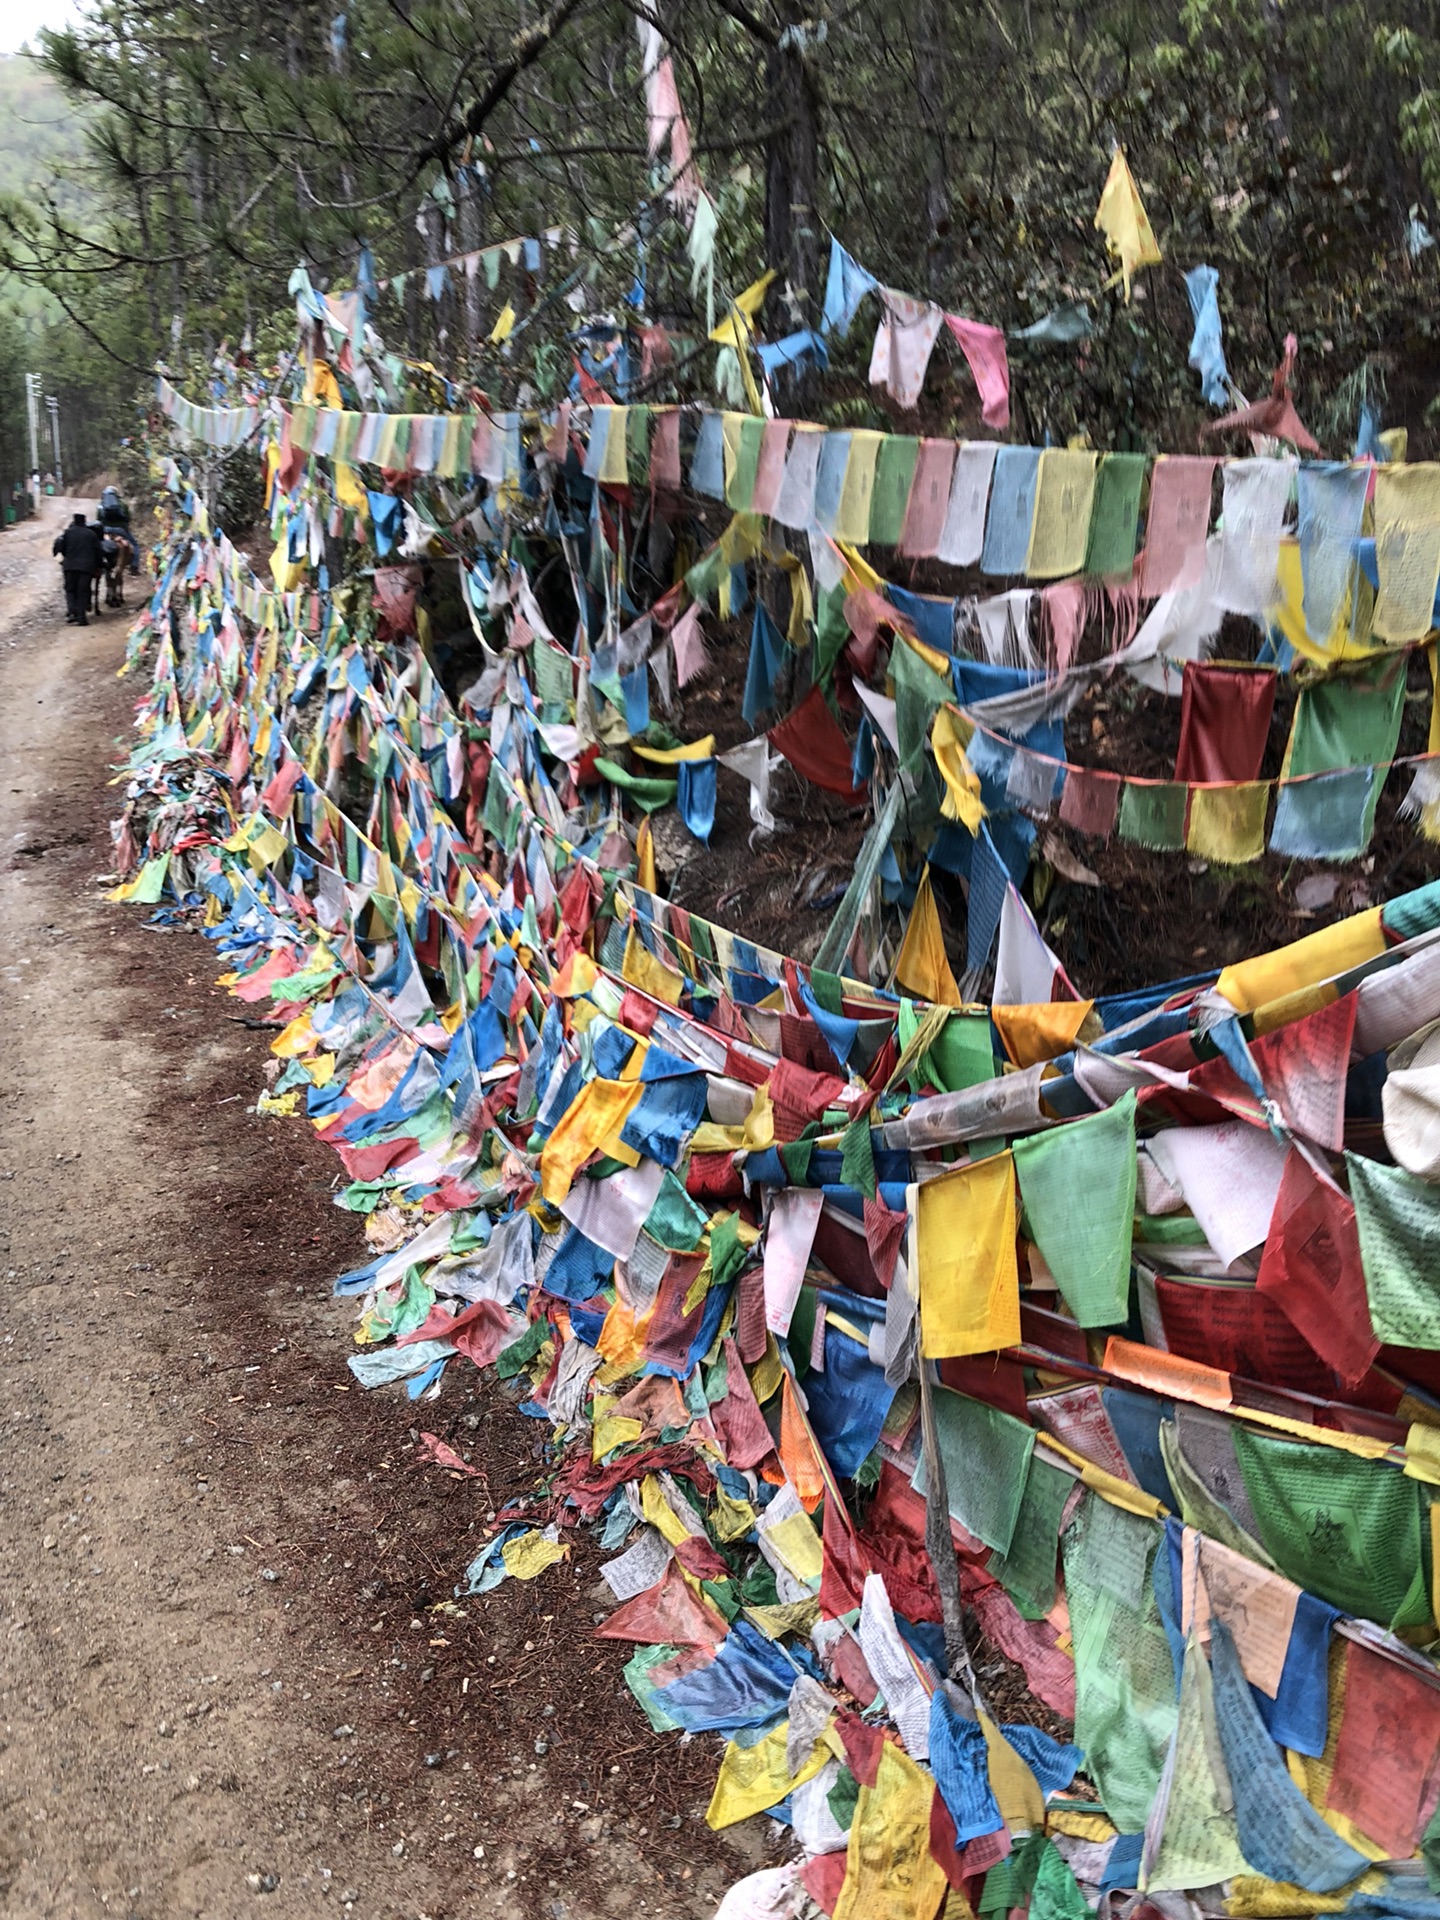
79,548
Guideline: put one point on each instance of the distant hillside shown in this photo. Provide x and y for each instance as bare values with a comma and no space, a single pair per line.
42,141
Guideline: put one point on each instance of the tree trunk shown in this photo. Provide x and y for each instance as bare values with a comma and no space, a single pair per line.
926,47
792,174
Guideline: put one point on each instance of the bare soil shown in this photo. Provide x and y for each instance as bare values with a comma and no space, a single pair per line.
234,1678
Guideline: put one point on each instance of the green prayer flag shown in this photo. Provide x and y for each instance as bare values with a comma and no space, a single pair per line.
857,1157
1078,1185
1152,814
1350,720
1398,1218
964,1053
828,990
1194,1840
741,487
795,1158
647,794
518,1355
1057,1894
637,446
920,692
831,631
727,1256
1027,1571
894,471
636,1673
986,1455
1124,1676
1115,514
1347,1529
675,1221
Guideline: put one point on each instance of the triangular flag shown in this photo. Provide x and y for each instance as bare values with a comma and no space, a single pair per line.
1122,219
921,967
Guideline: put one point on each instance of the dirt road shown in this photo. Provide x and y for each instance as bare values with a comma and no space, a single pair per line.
233,1678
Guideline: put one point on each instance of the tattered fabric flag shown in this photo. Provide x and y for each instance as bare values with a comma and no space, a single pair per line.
963,535
1312,1269
1124,1678
1027,971
1224,722
1326,817
1345,1528
1012,510
811,740
743,434
795,503
929,499
1276,417
767,654
1090,801
1281,1834
1350,721
1385,1754
1064,492
1398,1218
889,501
890,1873
904,341
986,1455
1176,524
1332,507
1122,218
984,349
1207,353
707,463
1227,824
1407,550
846,285
691,659
969,1280
1086,1248
1064,326
921,966
770,468
696,797
1256,497
1152,814
1191,1839
1115,515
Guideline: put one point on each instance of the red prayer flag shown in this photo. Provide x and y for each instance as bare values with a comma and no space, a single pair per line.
1385,1756
1224,721
811,740
1311,1269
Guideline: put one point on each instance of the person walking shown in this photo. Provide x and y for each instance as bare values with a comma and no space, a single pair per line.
79,548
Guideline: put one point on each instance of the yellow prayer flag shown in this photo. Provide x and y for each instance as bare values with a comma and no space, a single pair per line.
1017,1791
1060,530
504,326
348,490
528,1554
669,756
1042,1031
286,573
748,304
1122,218
1304,963
754,1778
969,1279
645,874
652,976
890,1873
921,966
614,466
852,523
1227,824
599,1110
950,735
1407,550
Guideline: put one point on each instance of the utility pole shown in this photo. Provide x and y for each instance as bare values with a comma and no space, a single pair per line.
32,410
52,407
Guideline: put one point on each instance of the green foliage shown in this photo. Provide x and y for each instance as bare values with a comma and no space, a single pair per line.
957,151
